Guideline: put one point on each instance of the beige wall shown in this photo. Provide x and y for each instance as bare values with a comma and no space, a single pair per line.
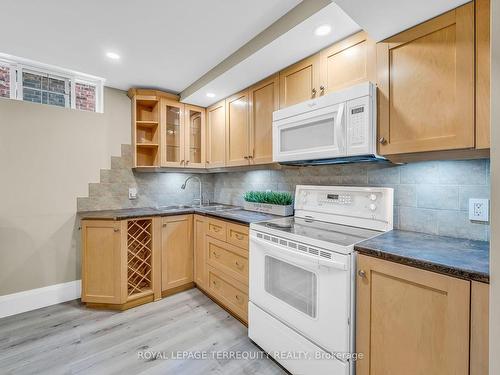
48,155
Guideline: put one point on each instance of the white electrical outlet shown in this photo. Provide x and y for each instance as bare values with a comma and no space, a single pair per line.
479,209
132,193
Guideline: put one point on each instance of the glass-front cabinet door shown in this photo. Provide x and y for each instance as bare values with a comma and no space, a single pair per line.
194,120
172,118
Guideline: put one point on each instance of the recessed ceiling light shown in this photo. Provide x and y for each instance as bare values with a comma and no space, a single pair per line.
210,95
323,30
112,55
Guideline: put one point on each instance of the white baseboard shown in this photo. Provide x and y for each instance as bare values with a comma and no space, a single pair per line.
33,299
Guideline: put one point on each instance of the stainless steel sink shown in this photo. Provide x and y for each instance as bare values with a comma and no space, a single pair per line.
173,207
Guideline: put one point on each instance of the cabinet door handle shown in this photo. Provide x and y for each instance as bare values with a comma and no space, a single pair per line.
216,229
238,264
238,297
382,141
322,89
362,273
246,157
116,230
238,236
164,225
313,92
215,254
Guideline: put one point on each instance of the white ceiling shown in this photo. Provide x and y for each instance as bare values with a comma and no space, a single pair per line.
294,45
384,18
164,44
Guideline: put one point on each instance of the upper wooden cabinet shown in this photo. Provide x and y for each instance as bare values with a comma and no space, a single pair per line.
237,130
263,99
410,321
483,73
216,135
176,252
426,86
173,133
348,62
300,81
194,139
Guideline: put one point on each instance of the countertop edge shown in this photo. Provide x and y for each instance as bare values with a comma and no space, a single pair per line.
427,265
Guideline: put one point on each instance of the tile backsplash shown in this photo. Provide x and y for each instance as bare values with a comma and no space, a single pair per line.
429,197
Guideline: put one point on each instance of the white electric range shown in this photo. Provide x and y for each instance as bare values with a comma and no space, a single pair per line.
302,268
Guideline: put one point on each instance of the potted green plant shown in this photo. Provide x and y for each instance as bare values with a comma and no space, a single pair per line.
271,202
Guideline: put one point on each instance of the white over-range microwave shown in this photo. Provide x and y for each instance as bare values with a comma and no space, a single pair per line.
339,127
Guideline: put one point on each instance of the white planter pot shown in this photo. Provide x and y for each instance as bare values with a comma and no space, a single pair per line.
273,209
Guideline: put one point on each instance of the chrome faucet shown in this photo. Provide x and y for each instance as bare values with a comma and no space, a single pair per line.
183,187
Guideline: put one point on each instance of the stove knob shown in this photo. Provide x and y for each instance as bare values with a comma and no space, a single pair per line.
373,207
373,197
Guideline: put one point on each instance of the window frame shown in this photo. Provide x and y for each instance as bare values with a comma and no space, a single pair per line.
18,65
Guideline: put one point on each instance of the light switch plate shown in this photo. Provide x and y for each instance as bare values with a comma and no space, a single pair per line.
132,193
479,209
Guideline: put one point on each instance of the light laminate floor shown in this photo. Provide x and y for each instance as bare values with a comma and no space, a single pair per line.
71,339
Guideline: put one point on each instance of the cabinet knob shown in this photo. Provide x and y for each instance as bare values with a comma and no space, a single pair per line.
362,273
382,141
116,230
246,157
322,89
313,92
164,225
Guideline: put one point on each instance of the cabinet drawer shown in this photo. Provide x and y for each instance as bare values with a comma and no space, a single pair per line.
228,258
217,229
231,293
237,235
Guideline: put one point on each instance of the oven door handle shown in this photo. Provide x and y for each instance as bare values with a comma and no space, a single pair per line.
303,257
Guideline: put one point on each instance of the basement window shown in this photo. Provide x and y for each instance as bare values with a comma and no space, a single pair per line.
25,80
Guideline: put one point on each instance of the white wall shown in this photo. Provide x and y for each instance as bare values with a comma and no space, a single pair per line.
495,193
48,155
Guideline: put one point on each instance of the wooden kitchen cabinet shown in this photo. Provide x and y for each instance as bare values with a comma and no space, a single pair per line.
426,86
173,133
120,262
348,62
483,66
479,346
227,266
200,263
237,134
410,321
263,100
176,253
194,139
300,81
216,135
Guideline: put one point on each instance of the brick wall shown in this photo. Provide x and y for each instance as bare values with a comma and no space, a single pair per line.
85,97
4,82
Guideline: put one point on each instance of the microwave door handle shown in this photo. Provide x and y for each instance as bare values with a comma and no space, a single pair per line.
339,125
302,257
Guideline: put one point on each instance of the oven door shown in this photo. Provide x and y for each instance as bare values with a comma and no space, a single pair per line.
308,294
317,134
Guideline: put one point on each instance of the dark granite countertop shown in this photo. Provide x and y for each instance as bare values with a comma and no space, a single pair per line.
465,259
234,213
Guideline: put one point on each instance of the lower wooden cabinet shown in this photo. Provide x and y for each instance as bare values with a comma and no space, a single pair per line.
229,292
410,321
200,264
226,267
176,253
120,262
479,331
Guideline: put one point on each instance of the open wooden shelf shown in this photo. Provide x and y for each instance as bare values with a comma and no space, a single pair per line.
147,156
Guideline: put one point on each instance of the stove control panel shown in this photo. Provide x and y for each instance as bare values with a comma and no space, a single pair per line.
335,202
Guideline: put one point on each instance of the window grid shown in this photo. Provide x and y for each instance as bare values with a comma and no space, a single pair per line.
42,85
